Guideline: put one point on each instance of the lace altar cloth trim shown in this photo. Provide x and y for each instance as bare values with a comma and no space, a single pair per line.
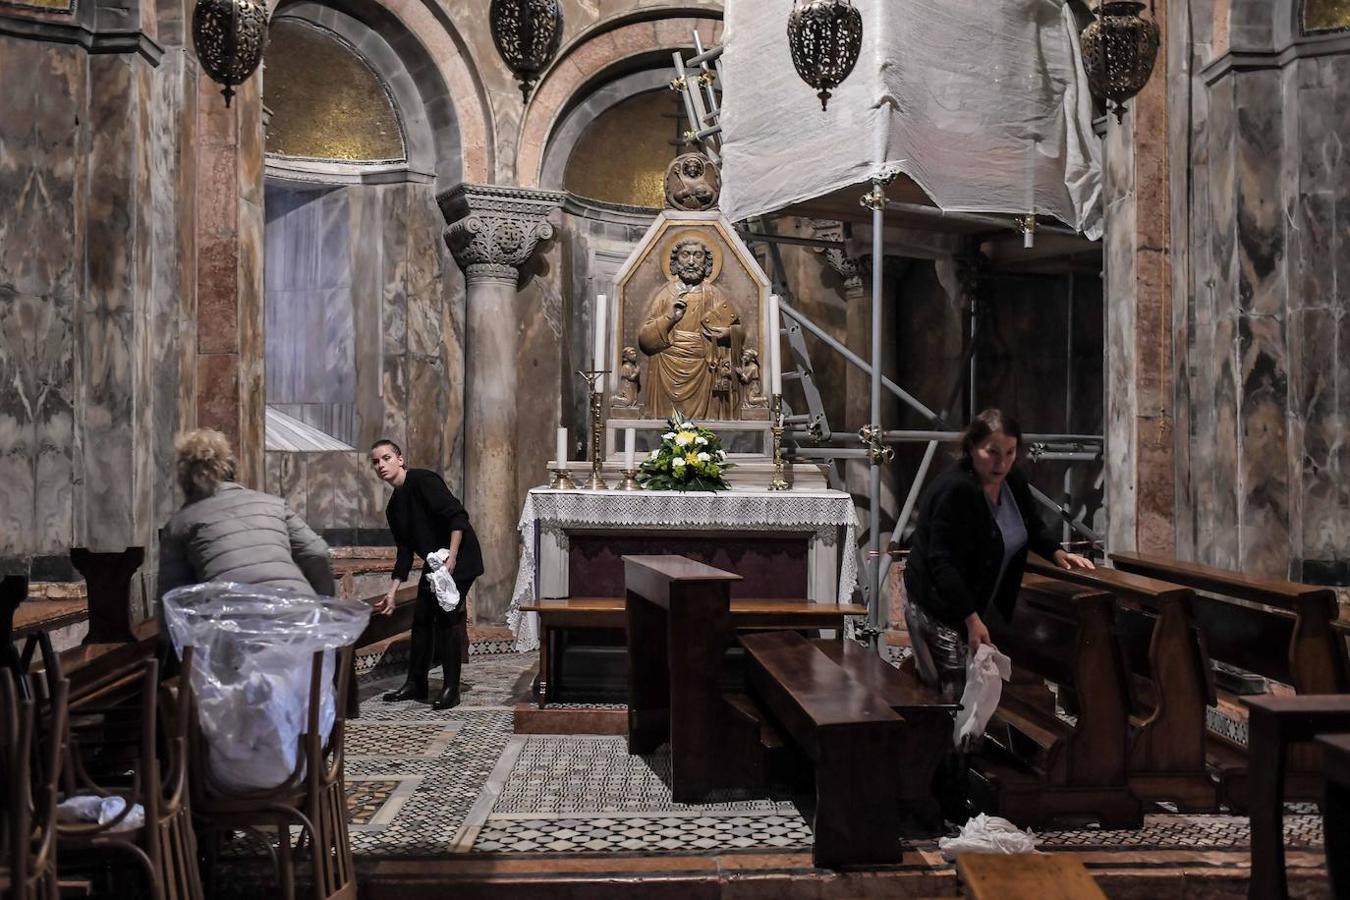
821,511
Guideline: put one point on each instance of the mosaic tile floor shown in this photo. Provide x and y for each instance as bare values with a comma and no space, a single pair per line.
423,783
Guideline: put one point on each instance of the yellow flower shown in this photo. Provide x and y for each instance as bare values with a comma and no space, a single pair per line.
691,458
684,438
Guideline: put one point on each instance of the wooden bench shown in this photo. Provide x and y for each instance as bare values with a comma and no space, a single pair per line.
1033,763
1026,876
1172,683
928,725
679,627
851,736
1273,724
1278,630
558,615
1336,810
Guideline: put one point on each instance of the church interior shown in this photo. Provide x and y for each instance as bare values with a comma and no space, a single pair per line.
694,305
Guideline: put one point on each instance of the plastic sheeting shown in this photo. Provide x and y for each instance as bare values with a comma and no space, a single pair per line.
984,105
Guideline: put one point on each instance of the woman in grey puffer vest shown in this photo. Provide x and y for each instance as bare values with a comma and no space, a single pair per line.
226,532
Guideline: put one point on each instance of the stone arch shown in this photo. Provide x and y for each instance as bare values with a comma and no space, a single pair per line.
426,57
602,50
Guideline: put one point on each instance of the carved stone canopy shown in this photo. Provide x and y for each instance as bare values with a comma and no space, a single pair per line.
492,230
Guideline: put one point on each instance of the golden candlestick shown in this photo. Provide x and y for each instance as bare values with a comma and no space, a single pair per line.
779,482
593,376
561,482
630,482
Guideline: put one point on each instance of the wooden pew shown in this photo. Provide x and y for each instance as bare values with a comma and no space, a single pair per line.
1276,629
1336,810
853,738
679,626
559,615
1026,876
1036,765
1173,683
928,725
1273,724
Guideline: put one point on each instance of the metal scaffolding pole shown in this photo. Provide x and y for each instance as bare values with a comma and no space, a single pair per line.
876,614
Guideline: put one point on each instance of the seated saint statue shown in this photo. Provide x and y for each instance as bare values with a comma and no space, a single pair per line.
691,334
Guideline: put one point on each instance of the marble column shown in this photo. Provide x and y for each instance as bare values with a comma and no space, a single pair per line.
1140,468
492,233
229,242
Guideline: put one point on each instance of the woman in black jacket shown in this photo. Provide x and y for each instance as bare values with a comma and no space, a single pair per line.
976,524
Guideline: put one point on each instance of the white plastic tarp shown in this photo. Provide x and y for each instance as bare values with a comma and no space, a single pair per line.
983,104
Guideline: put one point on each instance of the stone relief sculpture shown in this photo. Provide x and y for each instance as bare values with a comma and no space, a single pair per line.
630,380
691,332
692,183
748,372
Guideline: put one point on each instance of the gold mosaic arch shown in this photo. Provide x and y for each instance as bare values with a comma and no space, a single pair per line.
1325,15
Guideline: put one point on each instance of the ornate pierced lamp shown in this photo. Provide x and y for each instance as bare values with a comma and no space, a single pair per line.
1119,49
527,34
825,37
229,37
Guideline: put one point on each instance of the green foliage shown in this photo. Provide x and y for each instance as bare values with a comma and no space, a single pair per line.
690,458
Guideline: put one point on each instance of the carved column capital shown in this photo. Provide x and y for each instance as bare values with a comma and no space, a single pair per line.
492,230
850,268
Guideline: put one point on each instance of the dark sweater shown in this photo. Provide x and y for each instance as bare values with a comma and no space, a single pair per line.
422,512
957,548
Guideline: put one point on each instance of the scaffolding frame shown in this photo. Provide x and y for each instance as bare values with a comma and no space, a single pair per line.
808,435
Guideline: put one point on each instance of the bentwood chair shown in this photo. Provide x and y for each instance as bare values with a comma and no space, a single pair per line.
311,800
136,751
28,826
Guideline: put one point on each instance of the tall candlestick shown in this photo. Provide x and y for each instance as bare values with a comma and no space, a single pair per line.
561,449
601,309
629,447
771,339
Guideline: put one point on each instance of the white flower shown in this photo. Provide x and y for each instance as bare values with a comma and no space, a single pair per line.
681,440
700,440
721,455
654,454
703,457
669,435
678,462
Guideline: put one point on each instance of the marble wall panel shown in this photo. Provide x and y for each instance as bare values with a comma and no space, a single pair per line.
1119,422
107,328
1338,74
379,290
1263,503
1313,334
329,480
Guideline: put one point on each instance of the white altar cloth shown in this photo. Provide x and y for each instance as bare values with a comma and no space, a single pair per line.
751,509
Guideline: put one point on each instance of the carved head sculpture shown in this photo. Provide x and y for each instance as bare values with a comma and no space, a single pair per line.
691,261
630,354
749,355
692,182
692,166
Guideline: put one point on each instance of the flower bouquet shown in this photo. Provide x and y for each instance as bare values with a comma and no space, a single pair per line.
690,458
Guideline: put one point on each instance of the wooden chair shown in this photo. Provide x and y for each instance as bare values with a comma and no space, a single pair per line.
311,799
28,865
148,738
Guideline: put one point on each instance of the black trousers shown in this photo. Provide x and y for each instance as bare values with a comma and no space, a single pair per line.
442,637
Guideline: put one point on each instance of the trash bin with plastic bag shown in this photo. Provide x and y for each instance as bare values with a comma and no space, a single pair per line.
251,673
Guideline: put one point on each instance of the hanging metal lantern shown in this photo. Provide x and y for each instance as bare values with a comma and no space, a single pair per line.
825,37
229,37
527,34
1119,49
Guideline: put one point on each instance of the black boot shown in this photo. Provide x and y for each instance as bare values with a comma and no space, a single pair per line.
419,664
448,649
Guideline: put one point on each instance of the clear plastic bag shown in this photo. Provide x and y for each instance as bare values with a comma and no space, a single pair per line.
251,672
986,670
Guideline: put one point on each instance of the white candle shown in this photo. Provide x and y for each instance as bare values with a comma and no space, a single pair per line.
561,449
771,341
601,308
629,448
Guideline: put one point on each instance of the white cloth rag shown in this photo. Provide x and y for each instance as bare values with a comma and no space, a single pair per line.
89,808
442,581
985,673
989,834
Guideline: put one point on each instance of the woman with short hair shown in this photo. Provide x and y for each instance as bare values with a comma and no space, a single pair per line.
225,532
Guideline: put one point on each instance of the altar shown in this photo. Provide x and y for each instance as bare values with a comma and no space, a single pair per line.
786,544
